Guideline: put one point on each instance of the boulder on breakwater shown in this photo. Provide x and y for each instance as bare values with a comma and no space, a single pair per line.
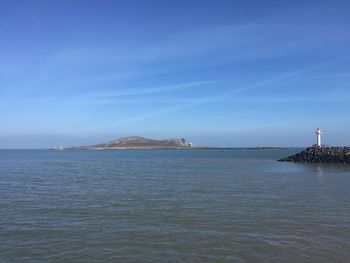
321,155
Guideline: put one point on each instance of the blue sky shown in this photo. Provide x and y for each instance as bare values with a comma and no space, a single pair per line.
219,73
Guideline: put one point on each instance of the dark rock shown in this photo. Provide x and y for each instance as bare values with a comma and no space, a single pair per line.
321,155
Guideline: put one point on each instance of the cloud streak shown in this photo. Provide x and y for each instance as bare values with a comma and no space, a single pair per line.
147,91
224,95
113,97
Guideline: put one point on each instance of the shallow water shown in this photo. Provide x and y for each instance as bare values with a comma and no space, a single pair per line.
171,206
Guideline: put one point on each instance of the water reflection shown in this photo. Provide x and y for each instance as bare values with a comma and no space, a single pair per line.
321,169
319,172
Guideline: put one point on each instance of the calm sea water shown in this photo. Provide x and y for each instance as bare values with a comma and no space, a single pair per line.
171,206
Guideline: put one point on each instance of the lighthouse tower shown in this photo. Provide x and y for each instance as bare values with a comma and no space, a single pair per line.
318,136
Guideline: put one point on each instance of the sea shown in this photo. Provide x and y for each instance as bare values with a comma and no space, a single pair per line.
201,205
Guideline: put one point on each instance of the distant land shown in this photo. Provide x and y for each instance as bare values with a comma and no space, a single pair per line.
139,142
265,148
134,142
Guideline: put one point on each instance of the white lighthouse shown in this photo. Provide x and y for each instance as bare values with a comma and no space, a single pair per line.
318,136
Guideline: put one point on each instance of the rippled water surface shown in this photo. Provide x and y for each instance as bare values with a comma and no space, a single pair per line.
171,206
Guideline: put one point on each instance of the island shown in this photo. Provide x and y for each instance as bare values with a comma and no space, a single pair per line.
317,154
266,148
134,142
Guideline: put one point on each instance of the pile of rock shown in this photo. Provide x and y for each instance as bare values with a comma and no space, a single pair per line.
321,155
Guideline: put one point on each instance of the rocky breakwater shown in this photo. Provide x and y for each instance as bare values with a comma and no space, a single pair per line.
321,155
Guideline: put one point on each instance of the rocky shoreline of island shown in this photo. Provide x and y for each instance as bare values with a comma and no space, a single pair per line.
321,155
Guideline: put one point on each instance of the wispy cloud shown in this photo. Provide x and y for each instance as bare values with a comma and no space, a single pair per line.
224,95
185,102
115,96
239,41
34,17
119,96
146,91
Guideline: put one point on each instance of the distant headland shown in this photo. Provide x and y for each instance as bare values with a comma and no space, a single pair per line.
134,142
